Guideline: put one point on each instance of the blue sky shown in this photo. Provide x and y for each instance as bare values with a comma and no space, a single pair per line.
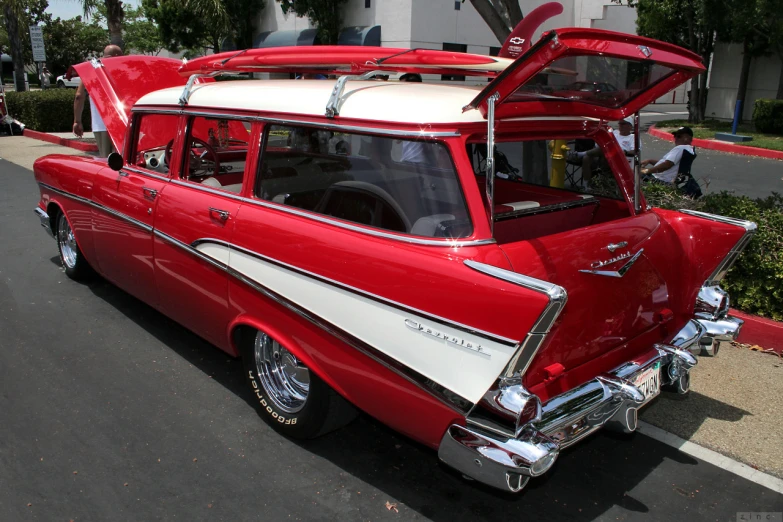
69,8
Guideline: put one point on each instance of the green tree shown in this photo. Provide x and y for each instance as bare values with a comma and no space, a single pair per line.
502,16
69,42
17,16
114,14
325,15
141,34
693,24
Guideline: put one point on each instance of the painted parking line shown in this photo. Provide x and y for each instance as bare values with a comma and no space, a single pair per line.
713,457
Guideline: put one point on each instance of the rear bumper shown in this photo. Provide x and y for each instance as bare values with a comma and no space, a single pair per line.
609,400
45,222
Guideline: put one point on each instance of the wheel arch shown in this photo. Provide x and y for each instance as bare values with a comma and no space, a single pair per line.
242,332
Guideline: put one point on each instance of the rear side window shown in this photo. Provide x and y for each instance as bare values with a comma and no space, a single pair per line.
405,186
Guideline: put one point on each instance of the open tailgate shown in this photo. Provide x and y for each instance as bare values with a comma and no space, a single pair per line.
610,75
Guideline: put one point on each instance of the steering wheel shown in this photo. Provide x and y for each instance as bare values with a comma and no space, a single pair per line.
197,164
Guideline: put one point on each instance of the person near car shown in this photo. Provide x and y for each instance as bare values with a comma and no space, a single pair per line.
412,151
624,136
666,168
102,138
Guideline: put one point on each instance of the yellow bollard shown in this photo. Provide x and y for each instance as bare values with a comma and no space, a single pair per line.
559,150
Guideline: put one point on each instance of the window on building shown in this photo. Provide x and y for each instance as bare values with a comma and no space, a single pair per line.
367,4
494,51
457,4
460,48
400,185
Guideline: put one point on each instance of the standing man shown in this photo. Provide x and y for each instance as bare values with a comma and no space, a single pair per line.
666,168
98,127
624,136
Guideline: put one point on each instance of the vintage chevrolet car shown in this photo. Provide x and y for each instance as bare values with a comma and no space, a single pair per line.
411,250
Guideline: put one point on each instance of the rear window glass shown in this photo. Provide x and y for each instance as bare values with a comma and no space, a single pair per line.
399,185
599,80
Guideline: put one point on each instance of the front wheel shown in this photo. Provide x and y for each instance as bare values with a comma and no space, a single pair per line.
294,400
76,267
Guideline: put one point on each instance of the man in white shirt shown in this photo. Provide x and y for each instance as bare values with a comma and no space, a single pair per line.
624,137
666,169
98,127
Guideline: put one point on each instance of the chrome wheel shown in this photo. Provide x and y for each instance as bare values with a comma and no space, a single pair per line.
67,241
284,378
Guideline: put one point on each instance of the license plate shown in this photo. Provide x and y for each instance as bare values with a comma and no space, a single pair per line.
649,381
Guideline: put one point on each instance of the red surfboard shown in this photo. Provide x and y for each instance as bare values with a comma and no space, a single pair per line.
344,59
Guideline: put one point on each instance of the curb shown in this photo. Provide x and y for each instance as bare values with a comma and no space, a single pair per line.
759,330
57,140
721,146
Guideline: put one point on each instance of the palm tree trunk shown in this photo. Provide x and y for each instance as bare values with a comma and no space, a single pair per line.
12,28
114,16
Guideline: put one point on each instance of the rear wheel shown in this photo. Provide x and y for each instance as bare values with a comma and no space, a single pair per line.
294,400
76,267
61,84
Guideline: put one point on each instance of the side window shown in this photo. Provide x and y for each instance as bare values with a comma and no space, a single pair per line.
216,152
154,141
405,186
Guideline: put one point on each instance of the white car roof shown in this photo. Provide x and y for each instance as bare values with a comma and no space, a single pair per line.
385,101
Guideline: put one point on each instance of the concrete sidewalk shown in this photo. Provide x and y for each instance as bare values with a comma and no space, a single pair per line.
24,151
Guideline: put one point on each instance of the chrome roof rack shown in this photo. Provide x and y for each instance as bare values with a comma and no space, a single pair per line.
188,90
332,106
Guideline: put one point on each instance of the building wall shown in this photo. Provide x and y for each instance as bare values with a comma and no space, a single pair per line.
724,79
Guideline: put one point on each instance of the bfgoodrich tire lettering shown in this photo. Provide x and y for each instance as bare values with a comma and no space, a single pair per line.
290,397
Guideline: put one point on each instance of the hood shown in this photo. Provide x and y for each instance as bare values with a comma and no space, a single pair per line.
115,84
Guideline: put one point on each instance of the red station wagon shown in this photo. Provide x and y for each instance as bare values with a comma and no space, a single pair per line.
411,250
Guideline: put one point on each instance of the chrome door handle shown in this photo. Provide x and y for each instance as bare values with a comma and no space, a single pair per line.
223,214
150,193
123,174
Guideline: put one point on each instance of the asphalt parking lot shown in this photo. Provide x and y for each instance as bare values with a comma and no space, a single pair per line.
109,411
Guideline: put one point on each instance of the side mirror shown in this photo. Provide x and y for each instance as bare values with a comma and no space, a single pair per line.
115,161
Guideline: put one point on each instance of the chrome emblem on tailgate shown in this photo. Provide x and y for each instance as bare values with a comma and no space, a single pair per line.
618,273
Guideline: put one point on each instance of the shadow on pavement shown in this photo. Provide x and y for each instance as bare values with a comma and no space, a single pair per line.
586,481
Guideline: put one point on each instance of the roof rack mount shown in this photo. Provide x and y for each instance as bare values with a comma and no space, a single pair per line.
332,106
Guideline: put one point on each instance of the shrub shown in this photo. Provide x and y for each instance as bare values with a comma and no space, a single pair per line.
755,282
768,116
46,111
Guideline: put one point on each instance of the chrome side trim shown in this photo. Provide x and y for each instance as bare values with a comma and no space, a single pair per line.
507,408
120,215
420,133
45,222
723,267
135,170
380,299
490,168
446,396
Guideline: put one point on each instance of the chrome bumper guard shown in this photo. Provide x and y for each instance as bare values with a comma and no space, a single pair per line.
609,400
44,220
713,322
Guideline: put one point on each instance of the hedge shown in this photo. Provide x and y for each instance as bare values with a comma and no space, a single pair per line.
46,111
768,116
755,282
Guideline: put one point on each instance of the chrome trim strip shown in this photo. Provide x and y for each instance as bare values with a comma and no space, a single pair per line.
448,397
637,166
120,215
45,222
135,170
492,412
358,291
331,126
490,168
723,267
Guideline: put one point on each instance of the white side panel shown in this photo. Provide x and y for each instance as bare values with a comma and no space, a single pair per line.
402,335
217,252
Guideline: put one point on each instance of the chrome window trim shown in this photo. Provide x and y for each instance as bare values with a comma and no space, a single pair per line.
358,291
723,267
136,170
120,215
446,396
285,121
582,202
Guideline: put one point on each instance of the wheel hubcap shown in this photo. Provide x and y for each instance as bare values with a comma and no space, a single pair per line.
67,242
284,378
